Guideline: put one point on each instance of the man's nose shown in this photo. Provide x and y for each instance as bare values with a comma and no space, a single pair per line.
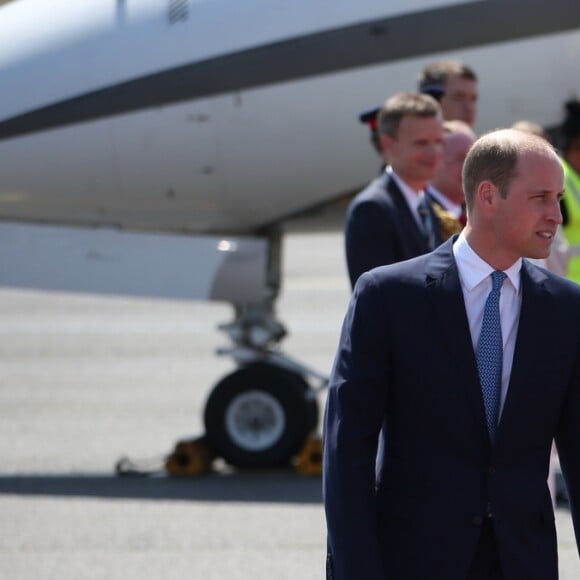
436,148
556,213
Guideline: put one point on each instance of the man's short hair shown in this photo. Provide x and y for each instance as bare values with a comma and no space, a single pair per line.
434,76
405,105
494,157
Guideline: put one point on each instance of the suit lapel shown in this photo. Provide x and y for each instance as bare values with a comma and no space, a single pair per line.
408,223
448,306
534,319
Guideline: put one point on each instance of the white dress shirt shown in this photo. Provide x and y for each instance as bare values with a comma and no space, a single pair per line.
475,277
412,197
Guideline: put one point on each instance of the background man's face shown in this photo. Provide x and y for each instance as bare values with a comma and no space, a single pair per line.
448,179
460,99
416,152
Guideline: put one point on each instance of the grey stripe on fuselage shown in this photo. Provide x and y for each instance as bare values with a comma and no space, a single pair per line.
378,41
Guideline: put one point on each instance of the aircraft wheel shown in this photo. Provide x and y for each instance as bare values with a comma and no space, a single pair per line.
259,416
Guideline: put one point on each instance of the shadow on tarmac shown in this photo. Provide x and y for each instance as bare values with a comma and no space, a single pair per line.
258,487
252,487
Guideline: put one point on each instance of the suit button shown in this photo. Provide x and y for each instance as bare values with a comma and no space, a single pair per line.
477,520
491,470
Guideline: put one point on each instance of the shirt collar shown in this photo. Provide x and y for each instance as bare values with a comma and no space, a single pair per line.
473,270
413,197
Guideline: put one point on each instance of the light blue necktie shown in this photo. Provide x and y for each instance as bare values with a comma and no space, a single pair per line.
490,353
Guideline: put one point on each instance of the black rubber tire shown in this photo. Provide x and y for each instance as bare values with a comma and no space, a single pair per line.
288,389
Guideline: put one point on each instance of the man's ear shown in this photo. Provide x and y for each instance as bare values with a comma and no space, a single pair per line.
486,195
387,143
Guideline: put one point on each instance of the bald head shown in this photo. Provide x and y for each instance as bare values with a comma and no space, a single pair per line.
458,127
530,127
494,157
458,137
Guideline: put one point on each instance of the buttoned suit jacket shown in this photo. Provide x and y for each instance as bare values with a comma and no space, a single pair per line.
409,470
380,228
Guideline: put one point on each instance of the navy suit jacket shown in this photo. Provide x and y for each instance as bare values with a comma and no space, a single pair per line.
380,228
409,470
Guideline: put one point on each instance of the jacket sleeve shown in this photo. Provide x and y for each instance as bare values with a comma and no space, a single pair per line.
356,407
568,444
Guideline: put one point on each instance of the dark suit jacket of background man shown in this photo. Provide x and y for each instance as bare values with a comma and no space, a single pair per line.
406,365
380,228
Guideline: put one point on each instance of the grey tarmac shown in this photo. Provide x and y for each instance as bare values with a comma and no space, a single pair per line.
85,380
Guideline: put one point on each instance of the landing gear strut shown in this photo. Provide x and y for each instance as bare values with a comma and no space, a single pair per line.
261,415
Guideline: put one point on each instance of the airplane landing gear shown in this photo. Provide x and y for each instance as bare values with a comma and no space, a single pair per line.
265,413
260,416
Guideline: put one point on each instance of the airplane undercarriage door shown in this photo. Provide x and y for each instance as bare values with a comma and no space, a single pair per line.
260,416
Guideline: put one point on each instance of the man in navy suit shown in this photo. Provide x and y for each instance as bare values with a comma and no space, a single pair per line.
427,476
389,221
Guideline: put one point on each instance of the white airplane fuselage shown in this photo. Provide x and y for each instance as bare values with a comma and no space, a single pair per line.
207,116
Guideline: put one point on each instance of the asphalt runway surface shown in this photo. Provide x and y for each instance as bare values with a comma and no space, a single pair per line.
85,380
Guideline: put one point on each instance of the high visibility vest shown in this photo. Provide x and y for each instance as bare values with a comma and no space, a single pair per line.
572,228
